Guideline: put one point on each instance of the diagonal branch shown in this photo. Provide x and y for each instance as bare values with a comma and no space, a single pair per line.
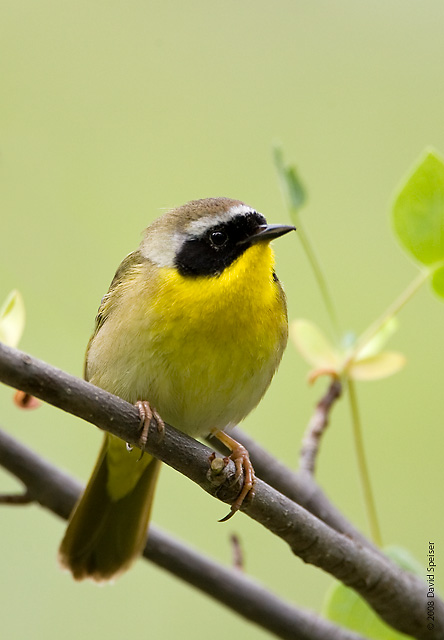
300,488
397,596
58,492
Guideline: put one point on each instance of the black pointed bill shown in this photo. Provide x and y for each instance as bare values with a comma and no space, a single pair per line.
268,232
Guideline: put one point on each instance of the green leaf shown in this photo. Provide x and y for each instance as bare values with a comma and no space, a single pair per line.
345,607
291,185
380,338
12,319
379,366
313,345
438,281
418,210
404,559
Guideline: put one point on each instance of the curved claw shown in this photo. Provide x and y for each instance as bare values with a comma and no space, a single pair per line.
242,461
148,413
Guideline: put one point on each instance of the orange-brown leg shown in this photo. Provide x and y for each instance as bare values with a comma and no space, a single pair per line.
241,459
148,413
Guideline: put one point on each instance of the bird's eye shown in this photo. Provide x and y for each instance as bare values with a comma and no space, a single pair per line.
218,238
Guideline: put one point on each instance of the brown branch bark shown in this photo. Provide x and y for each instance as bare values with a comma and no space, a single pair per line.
397,596
301,488
316,428
58,492
16,498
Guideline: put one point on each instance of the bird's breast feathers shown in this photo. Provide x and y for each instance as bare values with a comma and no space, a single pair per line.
202,350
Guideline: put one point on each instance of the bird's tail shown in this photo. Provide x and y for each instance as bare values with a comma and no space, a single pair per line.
107,531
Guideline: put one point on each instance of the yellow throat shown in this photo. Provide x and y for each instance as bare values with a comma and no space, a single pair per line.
206,347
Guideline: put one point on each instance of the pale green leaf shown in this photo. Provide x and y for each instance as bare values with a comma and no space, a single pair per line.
345,607
12,319
313,345
404,559
381,365
418,210
438,281
380,338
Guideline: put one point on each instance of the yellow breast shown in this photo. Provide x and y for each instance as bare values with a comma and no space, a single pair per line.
202,350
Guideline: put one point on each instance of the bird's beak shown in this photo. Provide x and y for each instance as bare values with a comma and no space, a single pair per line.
268,232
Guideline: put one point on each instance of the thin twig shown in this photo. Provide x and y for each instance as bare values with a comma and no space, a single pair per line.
58,492
397,596
393,309
316,428
369,500
237,551
17,498
320,277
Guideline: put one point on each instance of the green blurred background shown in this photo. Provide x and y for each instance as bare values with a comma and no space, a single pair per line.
112,111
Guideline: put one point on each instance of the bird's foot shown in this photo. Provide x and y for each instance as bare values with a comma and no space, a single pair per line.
243,465
147,415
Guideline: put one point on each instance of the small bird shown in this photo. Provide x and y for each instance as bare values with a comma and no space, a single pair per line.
192,330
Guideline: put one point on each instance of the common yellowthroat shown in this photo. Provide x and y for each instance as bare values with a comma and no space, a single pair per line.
195,323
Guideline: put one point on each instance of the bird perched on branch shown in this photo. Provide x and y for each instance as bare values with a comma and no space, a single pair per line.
192,330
